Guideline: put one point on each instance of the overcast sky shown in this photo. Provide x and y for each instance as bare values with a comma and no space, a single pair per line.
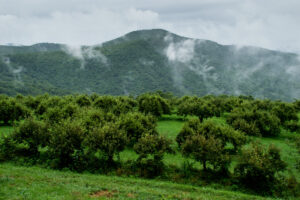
273,24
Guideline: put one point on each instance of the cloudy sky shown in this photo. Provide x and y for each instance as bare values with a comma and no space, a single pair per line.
273,24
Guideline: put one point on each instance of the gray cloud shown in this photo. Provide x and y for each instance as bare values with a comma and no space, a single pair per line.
271,24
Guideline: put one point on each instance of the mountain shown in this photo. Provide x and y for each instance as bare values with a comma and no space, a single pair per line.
150,60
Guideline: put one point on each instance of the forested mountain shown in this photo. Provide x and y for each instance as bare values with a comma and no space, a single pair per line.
150,60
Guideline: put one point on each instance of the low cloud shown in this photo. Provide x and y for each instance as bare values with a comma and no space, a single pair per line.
85,52
271,24
182,51
16,71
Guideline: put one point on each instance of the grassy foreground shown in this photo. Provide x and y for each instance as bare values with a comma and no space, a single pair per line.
37,183
18,182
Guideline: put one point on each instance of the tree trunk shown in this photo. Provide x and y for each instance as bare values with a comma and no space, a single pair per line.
201,119
110,160
204,165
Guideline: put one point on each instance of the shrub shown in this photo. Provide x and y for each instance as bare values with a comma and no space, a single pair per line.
122,107
106,103
285,112
153,104
94,117
41,109
268,124
33,133
258,166
31,102
199,108
249,121
293,126
151,149
66,138
189,128
210,128
83,100
153,145
69,110
248,128
135,125
8,148
109,139
10,111
206,150
296,105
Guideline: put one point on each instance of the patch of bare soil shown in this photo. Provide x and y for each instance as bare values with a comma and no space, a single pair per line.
103,193
130,195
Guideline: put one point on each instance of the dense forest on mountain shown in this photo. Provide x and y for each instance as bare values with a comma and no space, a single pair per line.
147,61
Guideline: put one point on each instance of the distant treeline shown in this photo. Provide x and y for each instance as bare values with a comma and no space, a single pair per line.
88,133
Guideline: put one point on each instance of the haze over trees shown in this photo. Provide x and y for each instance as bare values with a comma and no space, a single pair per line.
149,60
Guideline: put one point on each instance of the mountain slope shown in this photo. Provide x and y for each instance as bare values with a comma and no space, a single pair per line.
150,60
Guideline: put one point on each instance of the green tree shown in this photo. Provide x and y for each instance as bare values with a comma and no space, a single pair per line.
10,110
135,125
109,139
153,145
285,112
153,104
210,128
83,100
66,139
33,133
251,120
258,166
206,150
151,150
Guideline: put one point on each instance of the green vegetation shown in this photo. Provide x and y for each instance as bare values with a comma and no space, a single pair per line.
138,63
237,141
36,183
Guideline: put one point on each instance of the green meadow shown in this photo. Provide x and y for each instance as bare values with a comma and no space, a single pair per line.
34,182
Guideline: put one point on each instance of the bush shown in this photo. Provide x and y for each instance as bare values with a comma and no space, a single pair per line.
11,111
293,126
258,166
65,140
33,133
109,139
268,124
153,145
153,104
106,103
69,110
83,100
250,121
151,149
296,105
93,118
54,115
135,125
189,128
248,128
209,128
285,112
8,148
31,102
206,150
201,109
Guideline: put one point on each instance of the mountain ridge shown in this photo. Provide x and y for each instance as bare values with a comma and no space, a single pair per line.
149,60
147,30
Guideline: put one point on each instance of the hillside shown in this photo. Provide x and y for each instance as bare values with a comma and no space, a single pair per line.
149,60
15,180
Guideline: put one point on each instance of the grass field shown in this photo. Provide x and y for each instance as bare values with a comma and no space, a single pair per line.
37,183
17,182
